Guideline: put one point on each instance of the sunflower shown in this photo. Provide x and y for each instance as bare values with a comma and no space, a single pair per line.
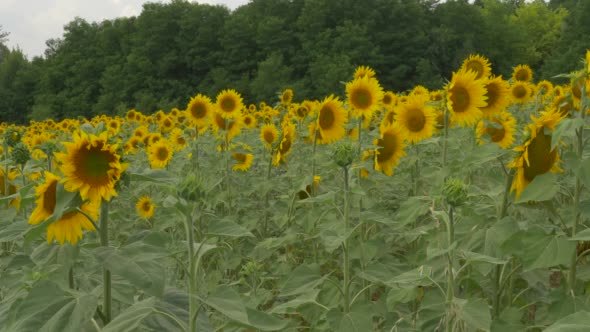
564,104
132,145
545,88
419,90
522,73
231,128
286,144
131,115
286,97
416,119
243,161
536,156
465,97
199,110
140,132
388,118
498,94
478,64
145,207
389,100
12,189
364,95
436,95
364,71
579,83
331,119
520,92
499,128
301,111
166,124
269,135
91,166
229,104
249,121
587,61
160,154
390,148
177,139
71,224
114,125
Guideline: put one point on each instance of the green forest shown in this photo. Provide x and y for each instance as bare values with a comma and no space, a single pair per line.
171,51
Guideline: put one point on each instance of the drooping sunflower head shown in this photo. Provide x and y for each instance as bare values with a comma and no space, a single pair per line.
46,194
91,165
588,61
416,119
564,104
498,128
160,154
286,144
479,64
243,161
331,119
145,207
364,95
364,71
520,92
522,73
177,139
389,150
498,94
287,96
465,98
301,111
269,135
580,84
199,110
229,104
71,226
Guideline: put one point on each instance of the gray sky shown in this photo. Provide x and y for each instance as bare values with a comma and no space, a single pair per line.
32,22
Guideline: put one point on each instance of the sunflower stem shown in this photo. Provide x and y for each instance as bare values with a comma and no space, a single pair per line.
49,161
450,279
106,274
267,196
315,143
6,187
577,216
364,234
446,136
192,278
498,269
346,268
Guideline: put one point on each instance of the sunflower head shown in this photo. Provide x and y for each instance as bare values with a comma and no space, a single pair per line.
243,161
498,94
364,96
416,119
249,121
465,97
229,104
145,207
389,99
331,119
286,144
91,165
364,71
478,64
520,92
287,96
199,110
269,135
522,73
499,129
389,149
160,154
545,88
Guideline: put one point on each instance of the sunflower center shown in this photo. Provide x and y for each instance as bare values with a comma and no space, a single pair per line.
361,99
240,157
180,140
50,197
199,110
415,120
228,105
522,75
519,92
93,164
541,157
493,94
496,133
387,99
460,99
327,118
387,147
269,137
146,206
162,153
247,120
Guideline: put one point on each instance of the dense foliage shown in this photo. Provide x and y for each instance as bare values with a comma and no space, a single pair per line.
154,61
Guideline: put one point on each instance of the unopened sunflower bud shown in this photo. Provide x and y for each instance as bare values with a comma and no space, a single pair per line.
20,154
12,137
344,154
455,192
191,188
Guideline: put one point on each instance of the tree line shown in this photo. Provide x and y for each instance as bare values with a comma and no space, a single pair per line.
162,57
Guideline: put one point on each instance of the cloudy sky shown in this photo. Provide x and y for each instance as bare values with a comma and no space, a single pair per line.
32,22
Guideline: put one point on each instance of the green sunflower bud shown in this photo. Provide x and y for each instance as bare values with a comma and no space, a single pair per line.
344,154
455,192
12,137
192,188
20,154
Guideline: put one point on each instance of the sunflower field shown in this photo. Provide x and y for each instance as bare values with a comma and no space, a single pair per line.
459,209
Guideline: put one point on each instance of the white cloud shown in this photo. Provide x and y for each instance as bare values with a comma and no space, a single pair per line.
32,22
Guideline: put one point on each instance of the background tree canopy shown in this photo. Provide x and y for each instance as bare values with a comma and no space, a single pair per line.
161,58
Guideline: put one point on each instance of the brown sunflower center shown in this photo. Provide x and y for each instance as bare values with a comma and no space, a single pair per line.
361,98
146,206
477,67
199,110
415,120
50,197
522,75
228,104
493,94
388,145
180,140
459,99
93,164
247,120
541,157
240,157
519,91
269,136
327,118
387,99
162,153
496,132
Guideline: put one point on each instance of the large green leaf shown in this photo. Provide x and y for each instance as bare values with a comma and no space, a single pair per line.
359,319
576,322
131,318
474,312
301,280
226,227
539,250
542,188
47,307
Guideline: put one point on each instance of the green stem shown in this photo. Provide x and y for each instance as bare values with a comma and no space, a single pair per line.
450,279
346,268
445,137
364,237
6,186
498,269
192,278
71,277
49,161
106,274
577,217
315,143
267,196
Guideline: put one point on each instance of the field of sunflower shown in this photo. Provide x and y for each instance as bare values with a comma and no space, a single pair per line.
460,209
